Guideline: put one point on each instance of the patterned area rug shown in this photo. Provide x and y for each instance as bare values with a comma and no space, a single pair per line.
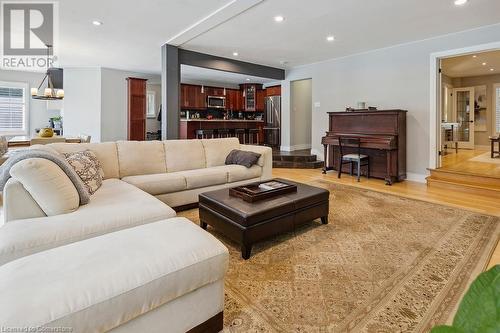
383,264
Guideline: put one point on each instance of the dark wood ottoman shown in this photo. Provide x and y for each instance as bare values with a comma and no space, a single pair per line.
248,223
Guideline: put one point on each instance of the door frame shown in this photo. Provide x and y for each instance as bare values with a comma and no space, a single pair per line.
435,93
494,108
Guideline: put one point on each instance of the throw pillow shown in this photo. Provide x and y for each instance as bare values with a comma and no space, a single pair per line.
47,183
242,157
88,167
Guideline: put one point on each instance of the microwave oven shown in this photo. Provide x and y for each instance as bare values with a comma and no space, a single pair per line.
216,102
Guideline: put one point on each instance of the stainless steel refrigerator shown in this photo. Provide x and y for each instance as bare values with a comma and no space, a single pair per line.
272,128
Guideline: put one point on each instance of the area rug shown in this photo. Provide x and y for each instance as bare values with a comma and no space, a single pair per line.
486,158
383,264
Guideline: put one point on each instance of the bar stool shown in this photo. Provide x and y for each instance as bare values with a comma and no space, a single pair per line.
253,133
204,134
223,133
240,134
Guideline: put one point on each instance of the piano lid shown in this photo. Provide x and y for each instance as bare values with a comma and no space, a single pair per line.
384,122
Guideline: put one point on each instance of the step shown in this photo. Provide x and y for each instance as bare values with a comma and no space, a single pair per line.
464,186
463,177
295,158
298,165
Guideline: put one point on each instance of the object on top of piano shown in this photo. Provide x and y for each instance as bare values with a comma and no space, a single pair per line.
370,108
382,135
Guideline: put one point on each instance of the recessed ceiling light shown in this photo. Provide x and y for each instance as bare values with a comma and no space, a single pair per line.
97,23
330,38
484,64
248,79
474,56
279,18
492,69
460,2
235,54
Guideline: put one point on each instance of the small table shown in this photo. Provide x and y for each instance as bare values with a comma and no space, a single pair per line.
248,223
494,139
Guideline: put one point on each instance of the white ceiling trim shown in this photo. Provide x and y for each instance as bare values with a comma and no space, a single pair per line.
214,19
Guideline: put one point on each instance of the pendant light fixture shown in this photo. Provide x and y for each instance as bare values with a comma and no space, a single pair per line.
54,77
202,89
224,91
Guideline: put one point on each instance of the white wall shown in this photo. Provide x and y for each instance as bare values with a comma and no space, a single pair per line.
39,111
114,102
82,102
300,114
395,77
152,124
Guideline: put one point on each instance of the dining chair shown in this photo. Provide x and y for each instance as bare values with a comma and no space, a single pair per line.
358,158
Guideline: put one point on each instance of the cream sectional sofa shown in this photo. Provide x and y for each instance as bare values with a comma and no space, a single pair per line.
139,268
142,182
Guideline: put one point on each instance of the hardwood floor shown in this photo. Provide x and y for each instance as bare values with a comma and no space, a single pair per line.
461,163
414,190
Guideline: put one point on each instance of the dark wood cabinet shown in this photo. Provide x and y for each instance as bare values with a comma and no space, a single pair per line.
273,91
192,97
261,96
136,109
233,99
215,91
251,95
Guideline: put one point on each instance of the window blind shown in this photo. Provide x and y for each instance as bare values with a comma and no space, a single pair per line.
12,110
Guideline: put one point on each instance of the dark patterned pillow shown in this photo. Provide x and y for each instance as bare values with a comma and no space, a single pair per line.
242,157
88,167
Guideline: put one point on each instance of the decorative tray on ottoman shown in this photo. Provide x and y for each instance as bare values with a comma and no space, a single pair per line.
260,191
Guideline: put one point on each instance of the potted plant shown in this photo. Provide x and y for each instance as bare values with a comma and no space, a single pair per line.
479,310
57,121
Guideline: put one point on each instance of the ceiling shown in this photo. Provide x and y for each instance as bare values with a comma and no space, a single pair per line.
197,75
132,31
131,34
472,65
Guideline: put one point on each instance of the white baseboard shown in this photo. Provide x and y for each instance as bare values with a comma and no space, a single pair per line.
416,177
296,147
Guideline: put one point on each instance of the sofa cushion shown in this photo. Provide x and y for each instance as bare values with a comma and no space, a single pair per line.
106,153
151,265
115,206
238,173
216,150
159,183
88,168
141,158
204,177
47,183
184,155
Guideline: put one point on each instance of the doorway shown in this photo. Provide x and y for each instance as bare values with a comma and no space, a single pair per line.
468,113
301,115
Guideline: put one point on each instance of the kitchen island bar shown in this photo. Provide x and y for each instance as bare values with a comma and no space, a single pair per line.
188,127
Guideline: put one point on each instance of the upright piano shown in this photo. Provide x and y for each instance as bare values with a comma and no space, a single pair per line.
382,136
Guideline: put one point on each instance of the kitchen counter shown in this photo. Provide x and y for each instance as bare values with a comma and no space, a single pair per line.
188,127
225,120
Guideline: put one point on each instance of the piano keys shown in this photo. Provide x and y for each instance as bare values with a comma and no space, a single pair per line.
383,139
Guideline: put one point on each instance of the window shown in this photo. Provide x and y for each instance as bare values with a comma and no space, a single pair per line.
150,107
13,108
497,108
